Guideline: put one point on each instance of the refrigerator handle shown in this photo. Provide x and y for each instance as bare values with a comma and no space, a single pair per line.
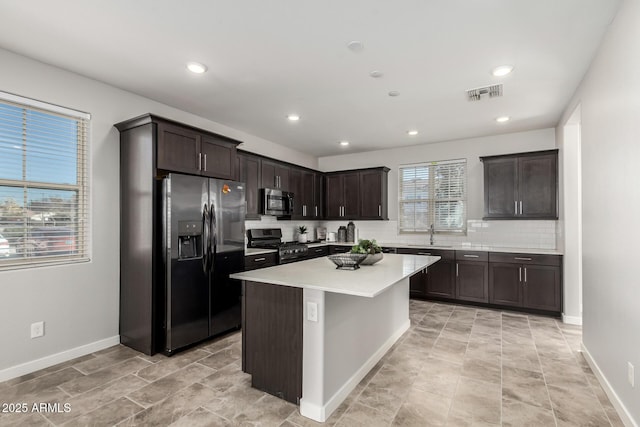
205,238
214,236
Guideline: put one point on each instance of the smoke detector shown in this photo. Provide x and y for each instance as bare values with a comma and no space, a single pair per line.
477,93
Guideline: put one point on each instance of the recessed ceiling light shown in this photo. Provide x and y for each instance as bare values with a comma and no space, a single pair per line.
293,117
412,132
376,74
394,93
355,46
503,119
196,67
344,143
502,70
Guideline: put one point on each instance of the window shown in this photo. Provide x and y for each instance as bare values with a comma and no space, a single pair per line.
433,193
43,183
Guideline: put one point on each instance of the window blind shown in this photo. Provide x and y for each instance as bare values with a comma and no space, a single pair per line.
433,193
44,198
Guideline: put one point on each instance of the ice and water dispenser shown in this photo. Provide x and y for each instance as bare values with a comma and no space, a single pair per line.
189,239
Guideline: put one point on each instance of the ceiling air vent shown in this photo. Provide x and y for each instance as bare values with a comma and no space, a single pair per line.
477,93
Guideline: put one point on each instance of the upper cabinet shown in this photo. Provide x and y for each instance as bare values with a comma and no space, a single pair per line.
181,148
521,186
306,188
250,172
275,175
357,194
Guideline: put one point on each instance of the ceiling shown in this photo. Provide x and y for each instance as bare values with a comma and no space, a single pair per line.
267,59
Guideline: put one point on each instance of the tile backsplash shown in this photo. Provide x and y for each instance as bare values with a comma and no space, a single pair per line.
506,234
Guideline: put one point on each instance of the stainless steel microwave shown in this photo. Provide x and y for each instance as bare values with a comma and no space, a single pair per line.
276,202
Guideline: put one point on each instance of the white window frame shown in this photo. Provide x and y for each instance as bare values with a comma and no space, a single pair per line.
82,225
429,198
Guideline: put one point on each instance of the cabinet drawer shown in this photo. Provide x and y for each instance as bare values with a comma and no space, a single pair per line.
517,258
472,256
252,262
318,252
339,249
443,253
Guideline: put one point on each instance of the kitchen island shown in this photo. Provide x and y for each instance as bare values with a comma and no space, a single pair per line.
311,332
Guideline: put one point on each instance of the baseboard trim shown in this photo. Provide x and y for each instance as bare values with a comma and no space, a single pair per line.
572,320
54,359
321,413
622,411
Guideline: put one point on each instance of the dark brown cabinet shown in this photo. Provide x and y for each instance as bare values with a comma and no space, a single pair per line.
342,195
356,194
521,186
373,190
317,252
526,280
339,249
188,150
306,188
435,281
275,175
249,172
472,276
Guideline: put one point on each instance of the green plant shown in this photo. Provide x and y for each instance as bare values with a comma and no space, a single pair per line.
366,247
302,229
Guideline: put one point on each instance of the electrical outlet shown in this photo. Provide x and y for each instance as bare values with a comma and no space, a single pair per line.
312,311
37,329
630,374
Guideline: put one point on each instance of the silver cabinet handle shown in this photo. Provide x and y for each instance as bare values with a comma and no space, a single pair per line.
258,259
520,274
424,253
205,162
316,210
525,275
318,250
520,207
199,161
515,207
456,269
379,210
522,259
472,256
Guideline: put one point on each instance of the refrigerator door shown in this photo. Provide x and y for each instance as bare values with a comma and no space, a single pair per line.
228,208
187,278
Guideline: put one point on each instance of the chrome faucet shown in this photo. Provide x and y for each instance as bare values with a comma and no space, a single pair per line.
431,234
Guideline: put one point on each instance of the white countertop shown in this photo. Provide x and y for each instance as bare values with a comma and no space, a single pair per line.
321,274
255,251
461,247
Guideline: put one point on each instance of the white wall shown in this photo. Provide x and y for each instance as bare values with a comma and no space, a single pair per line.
610,108
470,149
79,303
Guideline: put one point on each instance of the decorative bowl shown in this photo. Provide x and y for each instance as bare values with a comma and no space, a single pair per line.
347,261
372,259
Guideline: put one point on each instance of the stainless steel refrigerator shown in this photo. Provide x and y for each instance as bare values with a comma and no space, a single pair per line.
203,242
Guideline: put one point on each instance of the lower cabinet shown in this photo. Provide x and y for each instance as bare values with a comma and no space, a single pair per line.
317,252
253,262
527,281
339,249
435,281
472,276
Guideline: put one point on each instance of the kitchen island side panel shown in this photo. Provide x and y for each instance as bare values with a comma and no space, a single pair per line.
272,339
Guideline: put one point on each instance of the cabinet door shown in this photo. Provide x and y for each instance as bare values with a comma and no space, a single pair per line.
418,284
268,175
178,149
282,172
440,279
537,186
505,284
371,187
351,201
542,287
295,186
333,196
218,157
500,188
339,249
472,281
318,199
249,173
307,189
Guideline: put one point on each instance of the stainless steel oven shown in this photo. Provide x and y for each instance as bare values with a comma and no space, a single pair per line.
276,202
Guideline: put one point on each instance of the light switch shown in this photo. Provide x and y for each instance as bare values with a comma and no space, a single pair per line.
312,311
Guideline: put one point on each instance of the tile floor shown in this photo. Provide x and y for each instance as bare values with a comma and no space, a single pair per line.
456,366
